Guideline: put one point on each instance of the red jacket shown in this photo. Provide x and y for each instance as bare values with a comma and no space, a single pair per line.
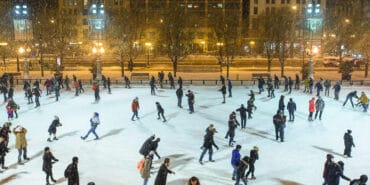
312,105
135,105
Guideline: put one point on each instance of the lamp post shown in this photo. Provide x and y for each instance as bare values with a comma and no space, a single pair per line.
25,52
311,52
149,46
98,52
252,43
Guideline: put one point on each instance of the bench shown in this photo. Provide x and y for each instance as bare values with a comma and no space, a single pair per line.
12,74
256,76
139,76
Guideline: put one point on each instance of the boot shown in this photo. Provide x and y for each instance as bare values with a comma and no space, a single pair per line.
55,138
49,140
53,180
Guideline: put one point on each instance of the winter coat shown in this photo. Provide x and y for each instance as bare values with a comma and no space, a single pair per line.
253,156
208,140
159,108
250,106
352,94
11,92
320,104
232,126
4,133
291,106
229,84
145,170
179,93
20,138
145,148
279,121
3,148
364,100
243,167
336,87
327,84
281,104
348,140
161,178
190,97
319,86
135,106
53,127
334,173
223,89
94,121
311,105
235,157
73,178
36,92
326,169
13,105
243,111
261,82
48,159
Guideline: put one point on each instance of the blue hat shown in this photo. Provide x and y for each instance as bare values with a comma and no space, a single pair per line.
96,114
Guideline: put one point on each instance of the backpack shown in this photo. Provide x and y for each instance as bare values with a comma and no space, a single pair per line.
68,171
140,164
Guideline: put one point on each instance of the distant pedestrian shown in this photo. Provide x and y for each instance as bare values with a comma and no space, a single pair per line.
109,84
319,105
179,94
36,92
222,79
336,88
229,87
160,111
127,82
207,146
171,80
191,101
80,86
292,107
297,82
286,83
290,84
261,83
327,164
161,178
243,116
152,86
21,142
223,92
281,104
94,122
319,88
135,108
348,143
66,83
311,108
77,87
48,161
96,90
279,124
179,81
276,82
327,85
53,128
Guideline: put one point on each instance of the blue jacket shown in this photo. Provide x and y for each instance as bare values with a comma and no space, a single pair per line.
235,158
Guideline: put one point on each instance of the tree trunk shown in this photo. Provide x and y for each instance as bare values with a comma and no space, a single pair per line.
269,62
227,68
366,68
174,62
282,65
42,64
122,62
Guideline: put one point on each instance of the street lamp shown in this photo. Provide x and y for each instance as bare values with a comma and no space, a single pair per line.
252,43
149,46
311,52
98,52
25,52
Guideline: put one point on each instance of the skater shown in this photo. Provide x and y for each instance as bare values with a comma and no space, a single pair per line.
77,87
223,91
229,87
279,124
336,88
193,181
161,178
297,82
3,150
240,173
261,82
96,90
13,106
153,145
152,86
172,81
191,101
4,90
310,85
80,87
292,107
179,82
276,82
57,91
348,143
108,84
47,85
271,90
335,172
250,108
281,104
29,95
37,94
290,84
327,85
145,169
232,117
145,148
66,83
21,142
361,181
71,172
207,146
222,79
235,160
350,96
53,128
252,159
160,111
327,164
48,161
161,78
135,108
127,82
94,121
318,87
179,94
319,105
5,131
104,79
286,83
311,108
364,100
243,116
11,92
232,126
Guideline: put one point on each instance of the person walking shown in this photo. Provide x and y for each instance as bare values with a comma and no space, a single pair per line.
292,107
261,82
179,94
297,82
48,161
311,108
57,90
160,111
250,108
29,95
71,172
179,82
80,86
276,82
21,143
253,156
135,108
229,87
232,126
109,84
77,87
327,164
161,178
223,91
191,101
94,121
350,96
235,160
348,143
152,86
240,173
207,146
96,90
319,88
127,82
319,105
172,81
145,170
53,128
243,116
290,83
336,88
66,83
279,124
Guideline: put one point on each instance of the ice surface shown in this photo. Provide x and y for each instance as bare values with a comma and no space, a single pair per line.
112,159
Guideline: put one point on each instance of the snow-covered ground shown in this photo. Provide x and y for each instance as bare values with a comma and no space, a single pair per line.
112,159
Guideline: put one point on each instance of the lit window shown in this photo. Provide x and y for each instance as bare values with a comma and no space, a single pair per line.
17,7
309,10
190,5
24,12
317,10
93,5
101,11
102,6
24,6
17,12
310,5
219,5
94,11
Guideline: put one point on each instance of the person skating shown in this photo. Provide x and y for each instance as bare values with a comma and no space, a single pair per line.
127,82
279,124
232,118
57,91
145,169
281,104
290,83
135,108
29,95
235,160
104,79
161,178
172,81
292,107
47,85
319,88
335,172
286,83
21,142
240,173
80,86
191,101
13,106
360,181
243,116
3,150
109,84
66,83
222,79
229,87
207,146
71,172
336,88
271,90
329,161
48,161
179,82
311,108
11,92
319,105
276,82
193,181
253,157
310,85
4,90
160,111
161,78
153,146
146,147
26,85
348,143
36,92
179,94
232,126
327,85
260,84
5,131
223,92
96,90
297,82
364,100
250,108
94,121
53,128
350,96
152,86
77,87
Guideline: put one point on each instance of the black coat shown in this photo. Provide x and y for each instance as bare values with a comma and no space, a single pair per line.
243,166
161,178
48,159
291,106
253,156
281,104
232,126
53,127
160,109
243,111
190,98
278,120
145,148
223,89
179,93
208,140
3,149
348,140
73,178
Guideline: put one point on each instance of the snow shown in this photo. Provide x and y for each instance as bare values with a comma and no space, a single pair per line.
112,159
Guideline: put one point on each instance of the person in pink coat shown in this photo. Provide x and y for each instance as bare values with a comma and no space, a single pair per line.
311,108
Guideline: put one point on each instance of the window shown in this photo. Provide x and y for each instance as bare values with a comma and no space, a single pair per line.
255,10
272,1
267,1
282,1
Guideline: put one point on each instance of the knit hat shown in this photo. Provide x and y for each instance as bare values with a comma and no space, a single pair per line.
75,159
96,114
255,148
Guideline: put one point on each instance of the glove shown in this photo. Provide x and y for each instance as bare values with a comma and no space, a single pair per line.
217,147
56,160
